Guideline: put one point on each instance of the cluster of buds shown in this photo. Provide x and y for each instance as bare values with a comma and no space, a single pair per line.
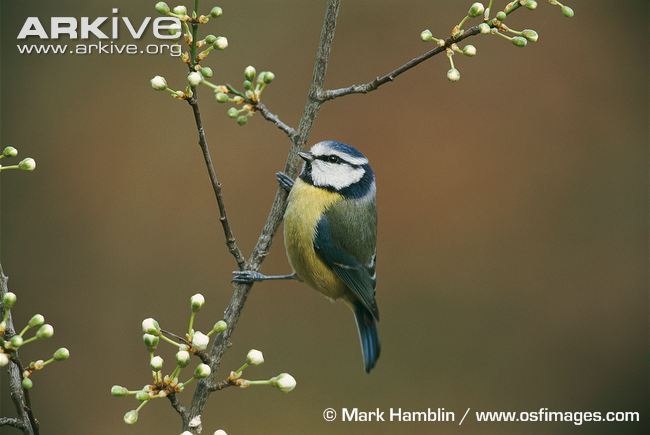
27,164
192,343
283,382
491,26
10,344
253,85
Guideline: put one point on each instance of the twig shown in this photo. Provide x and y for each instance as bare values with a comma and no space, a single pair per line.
241,291
176,404
20,397
10,421
364,88
216,185
266,114
221,385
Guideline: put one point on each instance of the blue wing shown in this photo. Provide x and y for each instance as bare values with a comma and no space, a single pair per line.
357,273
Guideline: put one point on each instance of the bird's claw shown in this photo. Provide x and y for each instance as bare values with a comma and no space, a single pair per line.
246,276
284,181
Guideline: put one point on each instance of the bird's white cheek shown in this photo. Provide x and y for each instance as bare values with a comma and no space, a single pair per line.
338,176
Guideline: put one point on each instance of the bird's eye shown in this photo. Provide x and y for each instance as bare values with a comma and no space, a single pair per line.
334,159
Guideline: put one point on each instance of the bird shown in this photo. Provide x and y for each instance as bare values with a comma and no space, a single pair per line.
330,234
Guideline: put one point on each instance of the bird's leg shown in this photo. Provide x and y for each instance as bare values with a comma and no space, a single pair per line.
249,276
284,181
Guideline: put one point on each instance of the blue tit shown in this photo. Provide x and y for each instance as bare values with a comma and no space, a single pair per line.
330,234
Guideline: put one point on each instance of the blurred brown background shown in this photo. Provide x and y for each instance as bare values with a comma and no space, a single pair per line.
513,218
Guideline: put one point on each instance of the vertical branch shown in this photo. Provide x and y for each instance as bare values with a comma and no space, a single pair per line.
241,291
20,397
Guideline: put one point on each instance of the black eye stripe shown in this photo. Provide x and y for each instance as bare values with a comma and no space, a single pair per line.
333,158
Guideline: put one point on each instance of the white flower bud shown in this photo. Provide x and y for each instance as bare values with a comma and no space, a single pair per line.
159,83
453,75
131,417
221,43
150,326
469,50
151,341
250,72
16,341
183,358
519,41
531,35
27,164
36,320
484,28
10,152
254,357
197,300
4,359
207,72
426,35
202,371
45,331
9,300
156,363
284,382
530,4
216,12
180,10
200,340
61,354
476,9
187,432
220,432
194,78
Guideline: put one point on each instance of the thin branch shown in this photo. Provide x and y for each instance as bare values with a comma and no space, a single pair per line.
364,88
266,114
221,385
176,404
19,396
10,421
216,185
241,291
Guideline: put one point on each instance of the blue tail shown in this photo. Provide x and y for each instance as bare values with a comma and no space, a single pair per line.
368,335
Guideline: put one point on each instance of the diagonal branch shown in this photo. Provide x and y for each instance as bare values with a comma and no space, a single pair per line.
13,422
364,88
20,397
298,140
176,404
216,185
266,114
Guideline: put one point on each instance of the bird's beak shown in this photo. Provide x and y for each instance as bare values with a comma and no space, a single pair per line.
306,156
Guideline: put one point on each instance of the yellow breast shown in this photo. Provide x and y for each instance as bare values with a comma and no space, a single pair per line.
305,207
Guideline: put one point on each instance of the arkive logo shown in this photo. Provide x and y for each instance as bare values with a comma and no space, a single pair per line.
102,28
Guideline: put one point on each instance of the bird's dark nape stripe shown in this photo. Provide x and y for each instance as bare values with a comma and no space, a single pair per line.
368,335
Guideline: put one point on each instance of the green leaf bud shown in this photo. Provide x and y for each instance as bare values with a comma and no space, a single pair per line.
221,97
10,152
248,85
142,396
131,417
206,72
232,112
119,391
162,8
220,326
519,41
45,331
242,120
216,12
61,354
531,35
151,341
36,320
210,39
501,16
426,35
180,10
9,300
27,384
530,4
267,77
250,72
476,9
16,341
567,12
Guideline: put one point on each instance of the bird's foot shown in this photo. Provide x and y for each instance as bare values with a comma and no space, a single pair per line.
250,276
284,181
